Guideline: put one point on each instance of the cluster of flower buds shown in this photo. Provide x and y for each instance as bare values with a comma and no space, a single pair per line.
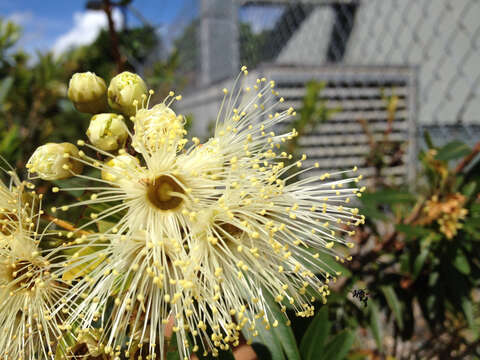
107,130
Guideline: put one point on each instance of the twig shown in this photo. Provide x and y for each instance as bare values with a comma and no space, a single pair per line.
468,159
64,224
107,7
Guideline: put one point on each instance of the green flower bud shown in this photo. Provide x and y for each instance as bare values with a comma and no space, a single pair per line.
55,161
123,90
119,167
88,92
157,126
107,131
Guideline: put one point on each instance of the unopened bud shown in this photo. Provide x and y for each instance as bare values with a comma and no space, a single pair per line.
123,90
155,127
55,161
119,167
107,131
88,92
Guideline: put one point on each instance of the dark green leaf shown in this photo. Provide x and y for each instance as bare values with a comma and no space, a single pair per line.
428,139
461,263
172,349
468,311
389,196
375,324
283,333
419,261
5,86
314,339
326,262
371,212
453,150
266,338
413,231
469,189
394,304
339,347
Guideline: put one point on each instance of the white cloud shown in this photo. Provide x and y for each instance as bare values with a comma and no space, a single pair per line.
86,27
20,17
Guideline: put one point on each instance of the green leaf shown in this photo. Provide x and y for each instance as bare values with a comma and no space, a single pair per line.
327,262
282,332
394,304
469,189
225,355
389,196
266,338
468,311
428,139
413,231
371,212
375,325
103,226
339,347
461,263
419,262
314,339
453,150
172,349
5,86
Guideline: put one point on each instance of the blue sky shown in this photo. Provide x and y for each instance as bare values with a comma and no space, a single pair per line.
59,24
47,22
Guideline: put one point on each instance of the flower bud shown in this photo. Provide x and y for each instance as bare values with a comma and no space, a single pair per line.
155,127
88,92
119,167
107,131
123,90
54,161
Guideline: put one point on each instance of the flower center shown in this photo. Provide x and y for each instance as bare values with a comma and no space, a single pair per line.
164,191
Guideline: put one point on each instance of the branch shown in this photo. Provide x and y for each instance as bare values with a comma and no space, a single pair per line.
107,7
65,224
468,159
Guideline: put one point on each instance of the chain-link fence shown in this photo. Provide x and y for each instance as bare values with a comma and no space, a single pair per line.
438,42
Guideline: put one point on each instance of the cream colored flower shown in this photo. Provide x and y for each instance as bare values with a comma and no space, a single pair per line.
125,91
107,131
207,233
157,128
55,161
88,92
30,326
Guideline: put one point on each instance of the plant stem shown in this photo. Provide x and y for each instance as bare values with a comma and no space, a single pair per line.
64,224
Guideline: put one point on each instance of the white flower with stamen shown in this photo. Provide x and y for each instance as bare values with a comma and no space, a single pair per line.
146,282
17,205
29,289
225,226
158,128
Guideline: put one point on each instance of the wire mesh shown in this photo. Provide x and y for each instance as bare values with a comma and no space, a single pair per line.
439,40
